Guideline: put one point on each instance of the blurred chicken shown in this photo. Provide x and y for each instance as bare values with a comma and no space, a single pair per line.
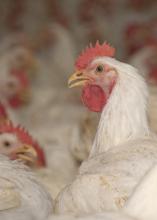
146,61
55,43
124,148
21,196
54,176
16,143
14,40
14,80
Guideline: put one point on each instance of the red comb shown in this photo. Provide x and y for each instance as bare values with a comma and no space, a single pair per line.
91,52
25,138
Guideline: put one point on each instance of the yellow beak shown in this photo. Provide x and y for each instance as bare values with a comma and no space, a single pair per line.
26,153
77,79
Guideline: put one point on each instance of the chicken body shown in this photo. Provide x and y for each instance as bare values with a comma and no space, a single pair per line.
21,196
100,216
108,178
135,208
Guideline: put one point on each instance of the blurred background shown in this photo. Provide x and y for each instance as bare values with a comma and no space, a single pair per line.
121,22
39,42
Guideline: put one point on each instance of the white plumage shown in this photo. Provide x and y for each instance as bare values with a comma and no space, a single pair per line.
21,196
123,151
140,61
140,206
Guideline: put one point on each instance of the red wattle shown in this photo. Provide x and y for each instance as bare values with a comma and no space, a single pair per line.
94,97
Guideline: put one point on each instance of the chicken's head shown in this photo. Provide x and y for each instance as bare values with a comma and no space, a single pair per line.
97,77
19,89
16,143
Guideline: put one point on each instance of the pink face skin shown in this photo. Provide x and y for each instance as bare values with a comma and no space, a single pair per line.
102,75
98,80
9,144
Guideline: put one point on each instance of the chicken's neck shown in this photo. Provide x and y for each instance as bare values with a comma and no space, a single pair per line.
124,116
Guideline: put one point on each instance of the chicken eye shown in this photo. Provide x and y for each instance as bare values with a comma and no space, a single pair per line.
7,144
99,69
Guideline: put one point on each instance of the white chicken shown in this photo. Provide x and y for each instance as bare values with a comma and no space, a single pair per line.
140,206
14,81
124,148
85,130
55,43
50,172
21,196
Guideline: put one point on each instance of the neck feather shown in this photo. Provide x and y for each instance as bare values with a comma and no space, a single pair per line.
124,116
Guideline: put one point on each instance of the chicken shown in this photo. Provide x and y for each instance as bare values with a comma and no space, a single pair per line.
135,208
16,143
14,81
145,61
16,64
124,147
46,163
21,196
14,40
55,42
